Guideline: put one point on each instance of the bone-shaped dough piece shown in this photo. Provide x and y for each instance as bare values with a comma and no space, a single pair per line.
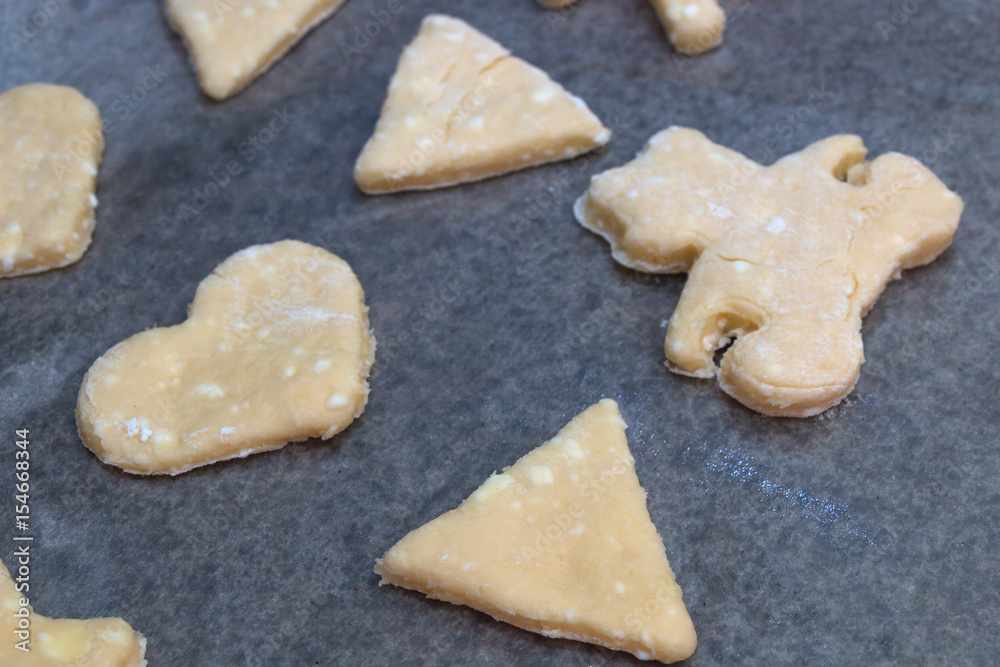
50,146
62,642
693,26
232,42
276,349
786,259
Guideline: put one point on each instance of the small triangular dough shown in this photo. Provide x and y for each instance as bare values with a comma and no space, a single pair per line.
560,543
60,642
460,108
232,42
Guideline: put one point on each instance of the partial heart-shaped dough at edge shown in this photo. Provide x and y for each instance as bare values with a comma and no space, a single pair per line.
276,349
61,642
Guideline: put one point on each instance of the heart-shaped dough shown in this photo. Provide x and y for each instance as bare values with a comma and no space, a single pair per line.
50,146
33,640
276,349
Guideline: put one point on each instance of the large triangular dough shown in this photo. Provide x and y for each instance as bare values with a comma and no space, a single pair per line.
460,108
232,42
560,543
59,642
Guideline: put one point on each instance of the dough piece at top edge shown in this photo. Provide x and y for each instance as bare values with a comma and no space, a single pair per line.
232,42
693,26
51,143
96,642
460,108
276,349
560,543
786,259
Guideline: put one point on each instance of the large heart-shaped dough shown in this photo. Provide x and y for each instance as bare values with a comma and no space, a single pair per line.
50,146
276,349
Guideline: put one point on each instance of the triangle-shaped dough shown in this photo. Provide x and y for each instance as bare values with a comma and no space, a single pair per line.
460,108
560,543
60,642
232,42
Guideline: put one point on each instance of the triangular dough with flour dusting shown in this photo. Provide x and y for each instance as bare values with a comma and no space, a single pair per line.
460,108
232,42
61,642
560,543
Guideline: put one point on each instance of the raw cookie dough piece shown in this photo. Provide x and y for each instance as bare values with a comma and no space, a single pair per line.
460,108
50,146
560,543
232,42
786,259
693,26
59,642
276,349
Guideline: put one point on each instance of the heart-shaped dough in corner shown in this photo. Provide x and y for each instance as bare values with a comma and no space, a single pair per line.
33,640
276,349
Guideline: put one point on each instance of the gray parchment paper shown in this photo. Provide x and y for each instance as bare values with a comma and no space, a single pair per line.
866,536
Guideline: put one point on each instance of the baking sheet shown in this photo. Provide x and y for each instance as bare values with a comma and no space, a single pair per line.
865,536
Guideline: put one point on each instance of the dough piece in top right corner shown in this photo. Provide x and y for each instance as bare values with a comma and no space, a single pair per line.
560,543
461,108
693,26
785,259
62,642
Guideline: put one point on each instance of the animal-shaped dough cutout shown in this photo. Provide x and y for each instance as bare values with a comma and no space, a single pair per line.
232,42
50,147
560,543
786,259
460,108
32,640
693,26
276,349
